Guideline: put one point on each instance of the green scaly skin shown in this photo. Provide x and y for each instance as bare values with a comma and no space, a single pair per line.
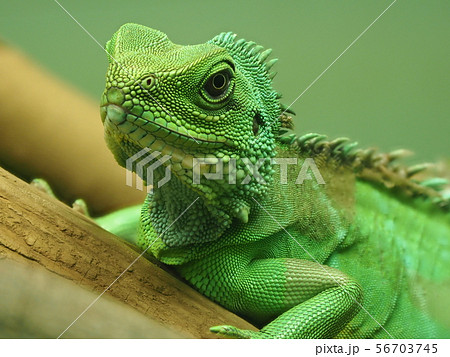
364,255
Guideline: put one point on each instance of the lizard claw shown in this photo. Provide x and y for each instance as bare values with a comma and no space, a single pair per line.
42,186
81,207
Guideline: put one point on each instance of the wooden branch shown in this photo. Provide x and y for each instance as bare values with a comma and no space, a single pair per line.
42,231
36,303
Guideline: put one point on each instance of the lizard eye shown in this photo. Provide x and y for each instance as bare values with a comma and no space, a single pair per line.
216,87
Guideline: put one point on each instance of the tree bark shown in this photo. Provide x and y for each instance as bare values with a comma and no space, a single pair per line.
36,303
38,230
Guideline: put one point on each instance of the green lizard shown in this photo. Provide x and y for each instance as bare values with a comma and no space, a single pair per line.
304,237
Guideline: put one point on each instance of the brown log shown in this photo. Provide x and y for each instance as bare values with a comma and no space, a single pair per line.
36,303
38,229
48,129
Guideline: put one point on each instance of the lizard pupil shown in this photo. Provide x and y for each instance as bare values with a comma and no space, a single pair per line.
219,81
217,85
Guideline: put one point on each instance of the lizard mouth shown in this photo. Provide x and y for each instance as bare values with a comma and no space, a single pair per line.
145,129
181,146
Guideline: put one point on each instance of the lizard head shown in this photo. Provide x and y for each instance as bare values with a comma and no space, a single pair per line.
207,112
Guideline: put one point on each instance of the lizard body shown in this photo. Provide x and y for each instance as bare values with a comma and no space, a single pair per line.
349,247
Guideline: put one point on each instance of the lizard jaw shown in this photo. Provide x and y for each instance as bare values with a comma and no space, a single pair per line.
128,123
116,120
122,126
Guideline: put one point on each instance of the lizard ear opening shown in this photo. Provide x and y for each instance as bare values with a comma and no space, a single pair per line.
257,122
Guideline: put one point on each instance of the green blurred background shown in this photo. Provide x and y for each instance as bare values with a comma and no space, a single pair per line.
391,89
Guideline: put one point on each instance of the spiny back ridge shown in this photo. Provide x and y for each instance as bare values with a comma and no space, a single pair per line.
376,167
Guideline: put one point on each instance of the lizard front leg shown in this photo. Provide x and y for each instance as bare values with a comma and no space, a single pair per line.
78,205
311,300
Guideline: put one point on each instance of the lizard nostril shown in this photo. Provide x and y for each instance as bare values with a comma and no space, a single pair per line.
148,82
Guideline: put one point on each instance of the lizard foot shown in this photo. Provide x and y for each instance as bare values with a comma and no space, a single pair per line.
79,205
43,186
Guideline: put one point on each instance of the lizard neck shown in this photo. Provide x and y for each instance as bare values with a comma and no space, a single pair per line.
181,216
185,211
